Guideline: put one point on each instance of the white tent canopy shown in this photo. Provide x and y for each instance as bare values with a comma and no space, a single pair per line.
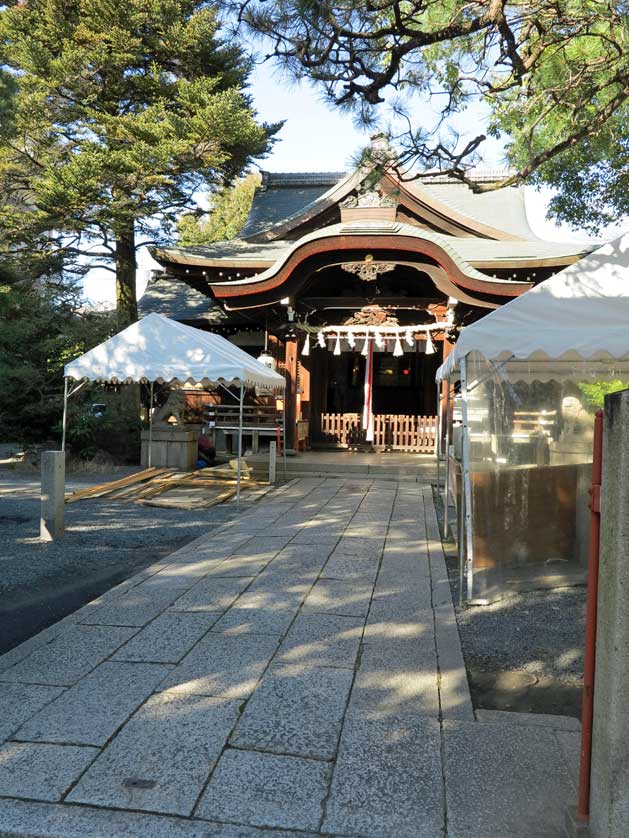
158,349
575,320
581,312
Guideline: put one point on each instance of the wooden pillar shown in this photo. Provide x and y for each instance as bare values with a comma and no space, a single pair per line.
291,370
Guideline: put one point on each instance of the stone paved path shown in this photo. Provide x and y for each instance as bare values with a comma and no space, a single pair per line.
296,672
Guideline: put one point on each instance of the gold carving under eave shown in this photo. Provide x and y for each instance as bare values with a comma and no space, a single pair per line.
368,271
372,316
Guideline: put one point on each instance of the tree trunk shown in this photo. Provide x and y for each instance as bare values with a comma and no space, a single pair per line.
126,301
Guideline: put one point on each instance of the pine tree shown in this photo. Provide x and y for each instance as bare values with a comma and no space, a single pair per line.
226,218
123,110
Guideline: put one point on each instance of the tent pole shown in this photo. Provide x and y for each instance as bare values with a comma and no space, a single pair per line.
65,413
467,488
150,424
446,488
438,442
460,517
284,435
240,422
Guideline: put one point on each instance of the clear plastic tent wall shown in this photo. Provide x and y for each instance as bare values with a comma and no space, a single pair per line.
532,375
530,434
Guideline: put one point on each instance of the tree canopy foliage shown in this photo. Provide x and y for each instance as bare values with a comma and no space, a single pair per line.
43,328
225,219
553,76
113,114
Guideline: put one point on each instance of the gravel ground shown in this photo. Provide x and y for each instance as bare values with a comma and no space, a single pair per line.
105,542
540,632
524,652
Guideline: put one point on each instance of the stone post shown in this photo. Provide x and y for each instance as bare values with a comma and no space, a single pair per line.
272,460
609,799
53,470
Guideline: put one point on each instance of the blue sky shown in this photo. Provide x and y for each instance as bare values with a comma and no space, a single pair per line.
317,137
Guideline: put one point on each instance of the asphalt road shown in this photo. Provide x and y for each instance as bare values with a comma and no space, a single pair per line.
105,543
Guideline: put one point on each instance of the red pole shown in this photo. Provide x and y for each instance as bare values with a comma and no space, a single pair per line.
587,710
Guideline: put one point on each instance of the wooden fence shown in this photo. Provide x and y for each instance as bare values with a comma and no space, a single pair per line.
391,432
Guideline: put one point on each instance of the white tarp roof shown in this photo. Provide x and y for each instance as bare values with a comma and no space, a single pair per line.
582,312
159,349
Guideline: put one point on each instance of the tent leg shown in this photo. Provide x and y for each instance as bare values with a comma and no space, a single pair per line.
446,496
467,488
459,525
240,422
150,425
65,413
284,438
438,443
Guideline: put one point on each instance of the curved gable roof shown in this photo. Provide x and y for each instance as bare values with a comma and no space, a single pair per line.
287,200
285,195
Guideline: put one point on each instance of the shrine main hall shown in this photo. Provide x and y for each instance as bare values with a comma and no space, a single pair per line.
355,286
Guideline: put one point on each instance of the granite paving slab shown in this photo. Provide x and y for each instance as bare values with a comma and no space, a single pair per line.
18,702
296,712
212,594
363,546
565,723
289,581
260,612
69,656
570,744
410,593
348,566
320,535
132,609
180,575
223,665
266,790
41,772
90,712
387,780
339,596
505,780
162,757
396,677
28,819
168,638
322,640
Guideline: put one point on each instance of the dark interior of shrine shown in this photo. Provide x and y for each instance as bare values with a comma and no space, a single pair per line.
401,385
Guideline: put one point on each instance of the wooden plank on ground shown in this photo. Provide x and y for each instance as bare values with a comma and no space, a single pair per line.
105,488
187,502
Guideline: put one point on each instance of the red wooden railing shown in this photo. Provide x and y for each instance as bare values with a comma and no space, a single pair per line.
392,432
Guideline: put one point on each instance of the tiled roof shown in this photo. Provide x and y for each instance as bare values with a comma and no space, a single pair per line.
286,179
473,251
178,301
283,194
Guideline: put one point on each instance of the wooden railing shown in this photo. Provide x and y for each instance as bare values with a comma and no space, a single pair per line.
391,432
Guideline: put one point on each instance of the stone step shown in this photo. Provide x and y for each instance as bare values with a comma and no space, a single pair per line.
294,469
